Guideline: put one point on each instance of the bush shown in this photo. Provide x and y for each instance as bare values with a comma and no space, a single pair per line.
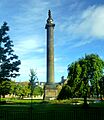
65,93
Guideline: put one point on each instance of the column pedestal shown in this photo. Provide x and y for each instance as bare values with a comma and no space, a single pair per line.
50,92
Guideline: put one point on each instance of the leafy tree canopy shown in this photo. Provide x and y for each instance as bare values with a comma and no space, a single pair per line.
101,84
5,88
8,60
33,77
88,69
38,91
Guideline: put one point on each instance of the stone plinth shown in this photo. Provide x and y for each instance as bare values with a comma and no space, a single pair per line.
50,92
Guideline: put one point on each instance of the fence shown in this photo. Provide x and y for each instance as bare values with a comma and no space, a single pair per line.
91,114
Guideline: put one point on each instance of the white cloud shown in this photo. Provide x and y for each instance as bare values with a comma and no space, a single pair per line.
29,44
86,27
28,49
98,22
93,23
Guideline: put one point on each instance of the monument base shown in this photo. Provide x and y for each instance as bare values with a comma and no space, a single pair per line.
50,92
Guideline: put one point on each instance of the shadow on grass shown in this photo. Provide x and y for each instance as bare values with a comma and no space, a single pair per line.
44,110
74,114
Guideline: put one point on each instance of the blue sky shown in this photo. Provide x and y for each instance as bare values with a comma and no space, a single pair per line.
79,30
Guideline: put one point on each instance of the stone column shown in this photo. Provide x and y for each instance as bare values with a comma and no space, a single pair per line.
50,89
50,49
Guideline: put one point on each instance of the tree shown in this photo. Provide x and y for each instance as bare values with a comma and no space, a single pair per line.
38,91
8,60
84,79
77,79
80,73
65,93
13,88
95,67
101,84
33,77
21,89
5,88
74,81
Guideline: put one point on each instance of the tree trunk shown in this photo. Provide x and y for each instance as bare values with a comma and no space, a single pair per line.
85,100
101,97
97,93
85,105
3,96
0,98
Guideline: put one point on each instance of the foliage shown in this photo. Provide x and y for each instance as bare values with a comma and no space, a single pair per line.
18,89
74,81
21,90
88,69
65,93
13,86
5,87
33,77
95,67
38,91
101,84
8,60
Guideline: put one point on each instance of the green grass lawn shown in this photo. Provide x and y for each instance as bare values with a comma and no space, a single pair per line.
50,110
